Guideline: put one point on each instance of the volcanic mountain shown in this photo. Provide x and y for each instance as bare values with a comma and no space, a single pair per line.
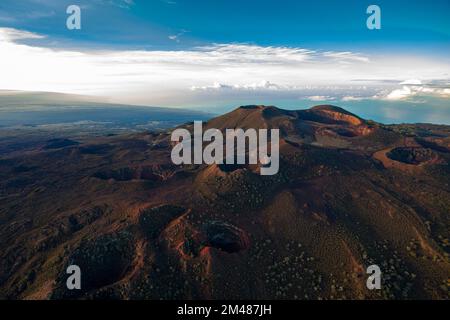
350,193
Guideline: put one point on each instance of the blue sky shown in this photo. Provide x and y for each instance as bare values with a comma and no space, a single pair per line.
330,24
219,53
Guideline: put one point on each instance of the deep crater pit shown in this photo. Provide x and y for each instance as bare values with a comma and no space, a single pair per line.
226,237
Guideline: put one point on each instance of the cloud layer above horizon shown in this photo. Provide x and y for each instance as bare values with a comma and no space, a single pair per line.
216,72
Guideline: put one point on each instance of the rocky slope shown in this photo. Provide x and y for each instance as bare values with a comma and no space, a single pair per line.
350,193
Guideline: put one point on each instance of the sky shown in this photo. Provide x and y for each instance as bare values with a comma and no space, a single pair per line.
216,54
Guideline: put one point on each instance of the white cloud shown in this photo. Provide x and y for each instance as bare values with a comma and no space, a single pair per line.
263,85
11,35
164,77
320,98
400,94
124,4
346,56
176,37
353,98
414,88
246,53
414,82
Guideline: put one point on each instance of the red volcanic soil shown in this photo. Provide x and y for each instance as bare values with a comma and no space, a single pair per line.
350,193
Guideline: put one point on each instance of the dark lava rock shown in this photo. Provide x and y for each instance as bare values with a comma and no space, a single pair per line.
121,174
